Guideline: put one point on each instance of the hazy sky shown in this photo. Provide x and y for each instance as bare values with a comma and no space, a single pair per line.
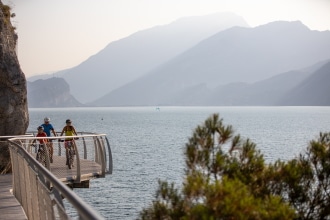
55,35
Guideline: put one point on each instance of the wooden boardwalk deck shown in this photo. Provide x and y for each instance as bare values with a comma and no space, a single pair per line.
89,169
9,206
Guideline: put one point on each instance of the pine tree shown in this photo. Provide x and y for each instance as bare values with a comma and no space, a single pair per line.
226,178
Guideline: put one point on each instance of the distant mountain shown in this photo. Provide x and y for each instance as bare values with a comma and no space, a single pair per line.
53,92
128,59
263,93
313,91
48,75
236,55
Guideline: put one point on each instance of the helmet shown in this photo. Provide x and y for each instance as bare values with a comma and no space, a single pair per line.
40,128
47,119
68,121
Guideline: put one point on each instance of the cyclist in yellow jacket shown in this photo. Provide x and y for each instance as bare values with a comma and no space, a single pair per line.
69,130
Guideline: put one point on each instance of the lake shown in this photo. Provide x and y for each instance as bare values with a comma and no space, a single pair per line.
148,143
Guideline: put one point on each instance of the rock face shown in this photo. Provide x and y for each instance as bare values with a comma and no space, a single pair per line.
50,93
14,117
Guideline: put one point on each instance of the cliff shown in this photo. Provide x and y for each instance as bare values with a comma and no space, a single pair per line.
14,116
13,96
53,92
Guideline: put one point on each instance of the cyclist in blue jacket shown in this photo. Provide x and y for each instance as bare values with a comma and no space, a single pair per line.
48,127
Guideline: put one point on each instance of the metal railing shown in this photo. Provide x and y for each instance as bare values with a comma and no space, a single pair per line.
5,165
40,188
39,191
92,155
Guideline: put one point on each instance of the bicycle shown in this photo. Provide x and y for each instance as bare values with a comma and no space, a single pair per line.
41,154
69,153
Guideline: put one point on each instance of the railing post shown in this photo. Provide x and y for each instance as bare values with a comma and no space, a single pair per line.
110,156
78,179
85,148
97,154
47,155
59,148
103,165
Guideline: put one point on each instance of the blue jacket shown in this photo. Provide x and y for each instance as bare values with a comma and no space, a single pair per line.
47,128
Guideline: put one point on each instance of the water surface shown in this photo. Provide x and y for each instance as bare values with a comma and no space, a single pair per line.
148,143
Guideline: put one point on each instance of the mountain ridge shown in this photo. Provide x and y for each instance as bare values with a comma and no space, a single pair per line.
290,88
127,59
314,90
236,54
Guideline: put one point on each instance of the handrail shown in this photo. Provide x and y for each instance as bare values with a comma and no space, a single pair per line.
31,171
13,136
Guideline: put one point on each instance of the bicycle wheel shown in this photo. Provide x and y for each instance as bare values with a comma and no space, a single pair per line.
67,154
71,153
38,156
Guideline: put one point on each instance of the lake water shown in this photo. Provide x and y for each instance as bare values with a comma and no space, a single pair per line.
148,144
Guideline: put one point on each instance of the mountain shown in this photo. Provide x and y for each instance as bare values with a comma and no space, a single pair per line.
313,91
53,92
48,75
267,92
236,55
127,59
262,93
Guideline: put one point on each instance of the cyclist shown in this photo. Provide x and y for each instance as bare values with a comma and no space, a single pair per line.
48,127
69,130
41,155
